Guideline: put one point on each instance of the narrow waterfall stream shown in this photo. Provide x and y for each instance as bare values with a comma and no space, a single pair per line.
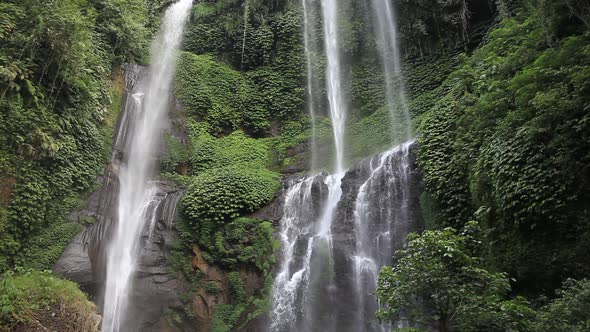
310,46
388,49
138,197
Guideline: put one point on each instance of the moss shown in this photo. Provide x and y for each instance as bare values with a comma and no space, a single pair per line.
212,287
28,299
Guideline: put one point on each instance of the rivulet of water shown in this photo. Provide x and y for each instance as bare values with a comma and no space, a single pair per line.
388,48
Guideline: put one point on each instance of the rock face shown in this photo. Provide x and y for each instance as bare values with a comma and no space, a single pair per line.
84,259
324,280
154,290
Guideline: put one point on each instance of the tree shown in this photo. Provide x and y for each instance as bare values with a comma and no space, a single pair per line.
439,282
570,311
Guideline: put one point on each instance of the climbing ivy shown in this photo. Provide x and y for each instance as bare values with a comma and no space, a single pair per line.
219,195
213,92
503,143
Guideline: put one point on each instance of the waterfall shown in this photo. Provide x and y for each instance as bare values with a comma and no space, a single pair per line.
338,230
138,196
309,39
388,49
336,100
330,288
381,222
296,235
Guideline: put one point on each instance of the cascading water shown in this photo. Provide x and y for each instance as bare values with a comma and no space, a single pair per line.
297,240
381,222
388,49
339,230
138,197
378,207
303,287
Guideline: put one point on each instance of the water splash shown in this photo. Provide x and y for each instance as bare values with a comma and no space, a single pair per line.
136,194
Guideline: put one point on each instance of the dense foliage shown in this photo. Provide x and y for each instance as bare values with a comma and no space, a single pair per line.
222,194
506,142
570,311
57,110
262,39
240,82
439,282
213,92
503,119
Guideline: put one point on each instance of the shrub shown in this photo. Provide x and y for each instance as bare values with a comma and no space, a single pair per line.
38,299
221,194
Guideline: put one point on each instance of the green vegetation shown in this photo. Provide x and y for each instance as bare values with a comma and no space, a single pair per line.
235,149
570,311
39,300
505,142
502,139
501,100
221,194
228,317
56,116
215,93
60,93
440,282
227,175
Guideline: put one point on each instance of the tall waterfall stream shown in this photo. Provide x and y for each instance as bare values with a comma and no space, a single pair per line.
138,197
338,230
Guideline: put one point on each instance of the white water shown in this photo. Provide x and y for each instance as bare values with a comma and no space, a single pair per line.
338,109
308,41
382,221
306,234
388,49
292,278
136,193
307,292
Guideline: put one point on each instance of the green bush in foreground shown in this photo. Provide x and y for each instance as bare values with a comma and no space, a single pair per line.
570,311
39,300
440,282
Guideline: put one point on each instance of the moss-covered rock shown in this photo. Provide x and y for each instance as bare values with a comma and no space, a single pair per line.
34,301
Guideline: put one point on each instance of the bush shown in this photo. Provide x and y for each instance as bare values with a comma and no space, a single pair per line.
570,311
221,194
504,142
235,149
439,281
38,299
